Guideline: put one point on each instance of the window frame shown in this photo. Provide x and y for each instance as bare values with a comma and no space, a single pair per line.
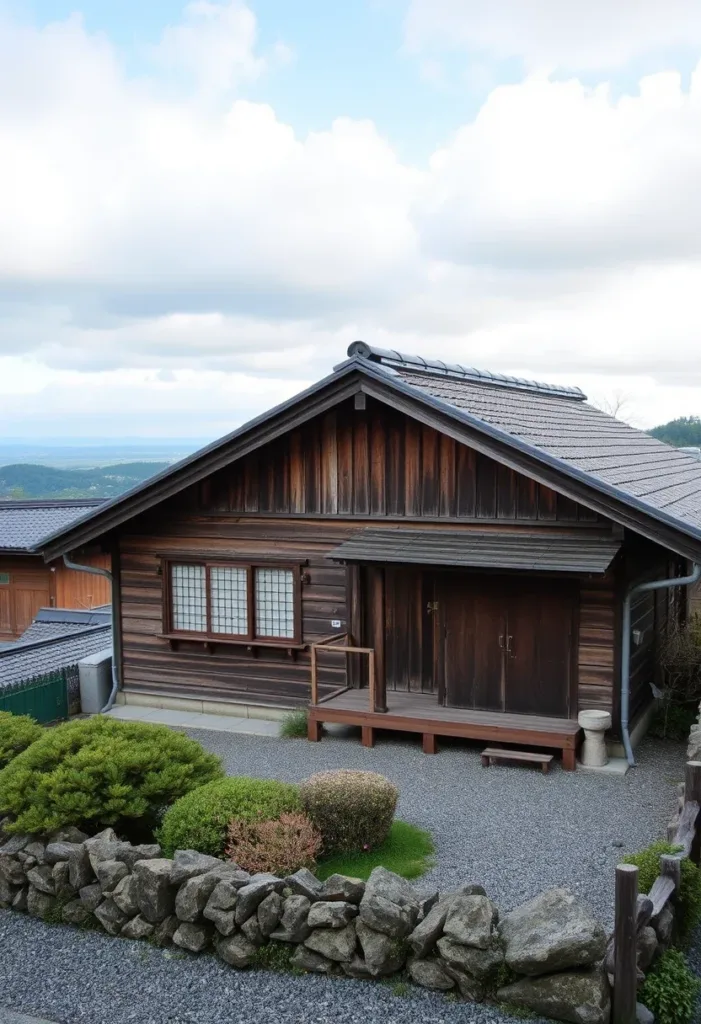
251,637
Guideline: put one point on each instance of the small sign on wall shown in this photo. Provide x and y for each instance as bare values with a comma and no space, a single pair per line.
335,623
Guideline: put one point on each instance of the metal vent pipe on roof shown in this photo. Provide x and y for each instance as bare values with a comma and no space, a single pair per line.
641,588
79,567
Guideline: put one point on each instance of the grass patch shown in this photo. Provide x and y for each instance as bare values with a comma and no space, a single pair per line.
408,851
294,725
276,956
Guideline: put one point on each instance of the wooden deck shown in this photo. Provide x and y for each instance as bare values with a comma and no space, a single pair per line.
419,712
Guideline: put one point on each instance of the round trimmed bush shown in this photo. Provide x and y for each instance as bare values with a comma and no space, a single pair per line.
352,810
101,771
17,732
199,821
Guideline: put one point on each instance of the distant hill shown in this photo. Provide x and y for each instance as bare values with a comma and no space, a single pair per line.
684,432
26,480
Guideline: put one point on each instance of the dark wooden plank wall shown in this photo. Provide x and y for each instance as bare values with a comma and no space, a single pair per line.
230,672
596,658
378,463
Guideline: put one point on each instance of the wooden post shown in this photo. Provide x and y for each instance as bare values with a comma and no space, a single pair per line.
692,794
371,680
671,867
315,686
692,782
376,583
626,970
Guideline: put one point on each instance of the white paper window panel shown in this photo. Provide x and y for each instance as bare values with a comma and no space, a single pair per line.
189,598
229,600
275,606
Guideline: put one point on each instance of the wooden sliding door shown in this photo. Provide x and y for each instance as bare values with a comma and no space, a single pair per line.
507,644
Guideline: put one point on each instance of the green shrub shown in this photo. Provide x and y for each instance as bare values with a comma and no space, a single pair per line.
673,722
670,989
688,901
17,732
199,821
280,847
352,810
294,725
101,771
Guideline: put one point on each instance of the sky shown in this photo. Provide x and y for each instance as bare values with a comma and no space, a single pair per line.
203,204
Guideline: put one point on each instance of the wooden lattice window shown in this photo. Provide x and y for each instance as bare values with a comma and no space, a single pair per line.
233,600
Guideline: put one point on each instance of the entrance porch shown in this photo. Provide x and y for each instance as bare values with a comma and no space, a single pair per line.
419,712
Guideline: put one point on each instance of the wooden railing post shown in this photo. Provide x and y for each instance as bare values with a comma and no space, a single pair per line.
692,794
371,680
626,967
315,686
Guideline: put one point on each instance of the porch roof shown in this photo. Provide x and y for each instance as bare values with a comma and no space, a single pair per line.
483,549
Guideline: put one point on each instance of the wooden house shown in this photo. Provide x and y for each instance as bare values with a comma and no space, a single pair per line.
473,535
27,582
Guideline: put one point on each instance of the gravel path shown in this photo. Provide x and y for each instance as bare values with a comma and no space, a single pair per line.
512,829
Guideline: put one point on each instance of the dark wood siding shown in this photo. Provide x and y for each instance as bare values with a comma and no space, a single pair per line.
377,463
262,675
597,644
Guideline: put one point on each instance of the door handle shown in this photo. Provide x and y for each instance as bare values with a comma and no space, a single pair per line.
509,648
501,641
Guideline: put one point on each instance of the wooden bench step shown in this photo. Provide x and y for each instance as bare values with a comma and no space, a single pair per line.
490,754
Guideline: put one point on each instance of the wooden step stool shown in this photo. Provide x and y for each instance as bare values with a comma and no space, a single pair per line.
525,756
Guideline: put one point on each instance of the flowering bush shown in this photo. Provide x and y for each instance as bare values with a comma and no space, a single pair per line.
352,810
199,821
280,847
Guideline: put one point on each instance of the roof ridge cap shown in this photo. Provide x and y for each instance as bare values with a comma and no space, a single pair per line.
392,359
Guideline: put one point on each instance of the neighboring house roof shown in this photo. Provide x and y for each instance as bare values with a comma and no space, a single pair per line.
57,638
54,622
548,432
23,524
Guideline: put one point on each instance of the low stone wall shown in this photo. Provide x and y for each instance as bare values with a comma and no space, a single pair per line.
547,955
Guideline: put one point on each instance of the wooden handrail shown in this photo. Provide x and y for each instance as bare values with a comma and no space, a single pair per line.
329,639
326,645
621,954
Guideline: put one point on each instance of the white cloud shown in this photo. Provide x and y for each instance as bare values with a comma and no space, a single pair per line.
573,34
178,256
215,44
108,183
554,174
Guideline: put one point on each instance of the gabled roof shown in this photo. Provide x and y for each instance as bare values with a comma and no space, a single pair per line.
548,432
23,524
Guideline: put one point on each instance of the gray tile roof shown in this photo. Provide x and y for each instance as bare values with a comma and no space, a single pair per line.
20,661
579,435
23,524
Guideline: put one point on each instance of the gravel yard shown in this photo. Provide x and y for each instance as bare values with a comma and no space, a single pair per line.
509,828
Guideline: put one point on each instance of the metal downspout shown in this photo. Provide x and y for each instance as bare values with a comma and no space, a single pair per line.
79,567
640,588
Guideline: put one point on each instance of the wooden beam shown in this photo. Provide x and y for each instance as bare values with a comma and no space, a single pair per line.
376,587
626,972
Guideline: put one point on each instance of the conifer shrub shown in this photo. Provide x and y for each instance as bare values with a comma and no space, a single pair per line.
352,810
17,732
101,771
200,820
